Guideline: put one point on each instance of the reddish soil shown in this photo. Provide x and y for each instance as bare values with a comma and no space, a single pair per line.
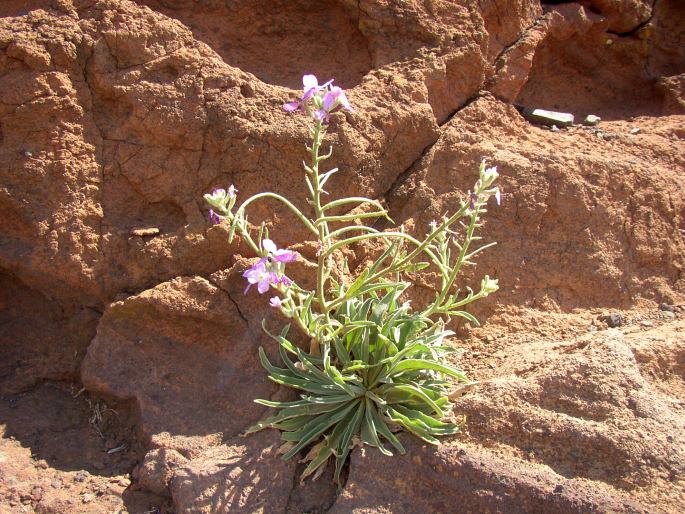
128,358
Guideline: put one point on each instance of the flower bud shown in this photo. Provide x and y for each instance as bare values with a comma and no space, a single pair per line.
488,176
217,199
488,285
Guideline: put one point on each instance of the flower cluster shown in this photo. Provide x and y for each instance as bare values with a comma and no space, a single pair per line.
320,101
486,179
222,200
268,271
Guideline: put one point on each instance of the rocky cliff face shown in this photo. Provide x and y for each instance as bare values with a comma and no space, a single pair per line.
117,115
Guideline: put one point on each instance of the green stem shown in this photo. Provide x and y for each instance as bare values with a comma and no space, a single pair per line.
321,225
283,200
437,304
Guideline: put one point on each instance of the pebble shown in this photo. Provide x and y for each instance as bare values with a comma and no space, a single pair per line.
143,232
646,323
545,117
666,307
81,476
635,130
591,120
554,128
87,498
668,314
613,320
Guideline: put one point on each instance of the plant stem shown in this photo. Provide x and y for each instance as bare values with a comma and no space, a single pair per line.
437,304
324,261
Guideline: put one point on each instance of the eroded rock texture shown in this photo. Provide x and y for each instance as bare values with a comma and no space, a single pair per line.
117,115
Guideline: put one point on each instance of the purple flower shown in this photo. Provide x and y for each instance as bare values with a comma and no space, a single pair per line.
473,198
232,191
285,281
335,98
333,101
259,274
292,106
219,192
277,254
275,302
214,218
310,87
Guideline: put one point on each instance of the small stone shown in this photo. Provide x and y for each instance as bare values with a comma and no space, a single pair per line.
599,134
87,498
635,130
609,42
247,90
591,120
81,476
668,314
646,323
544,117
143,232
613,320
559,489
554,128
666,307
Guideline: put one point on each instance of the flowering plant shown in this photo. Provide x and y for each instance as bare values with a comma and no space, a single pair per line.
374,365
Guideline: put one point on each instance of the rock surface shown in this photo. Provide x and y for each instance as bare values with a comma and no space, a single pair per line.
117,115
186,356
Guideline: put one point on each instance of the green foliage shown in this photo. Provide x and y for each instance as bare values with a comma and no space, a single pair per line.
374,365
383,370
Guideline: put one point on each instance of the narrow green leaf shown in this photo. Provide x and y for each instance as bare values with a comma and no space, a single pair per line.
383,429
369,433
424,365
323,422
343,449
415,391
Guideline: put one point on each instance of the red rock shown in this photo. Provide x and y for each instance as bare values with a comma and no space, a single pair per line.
116,116
184,353
245,475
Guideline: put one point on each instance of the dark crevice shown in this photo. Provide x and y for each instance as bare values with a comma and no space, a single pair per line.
465,104
498,60
402,176
237,307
